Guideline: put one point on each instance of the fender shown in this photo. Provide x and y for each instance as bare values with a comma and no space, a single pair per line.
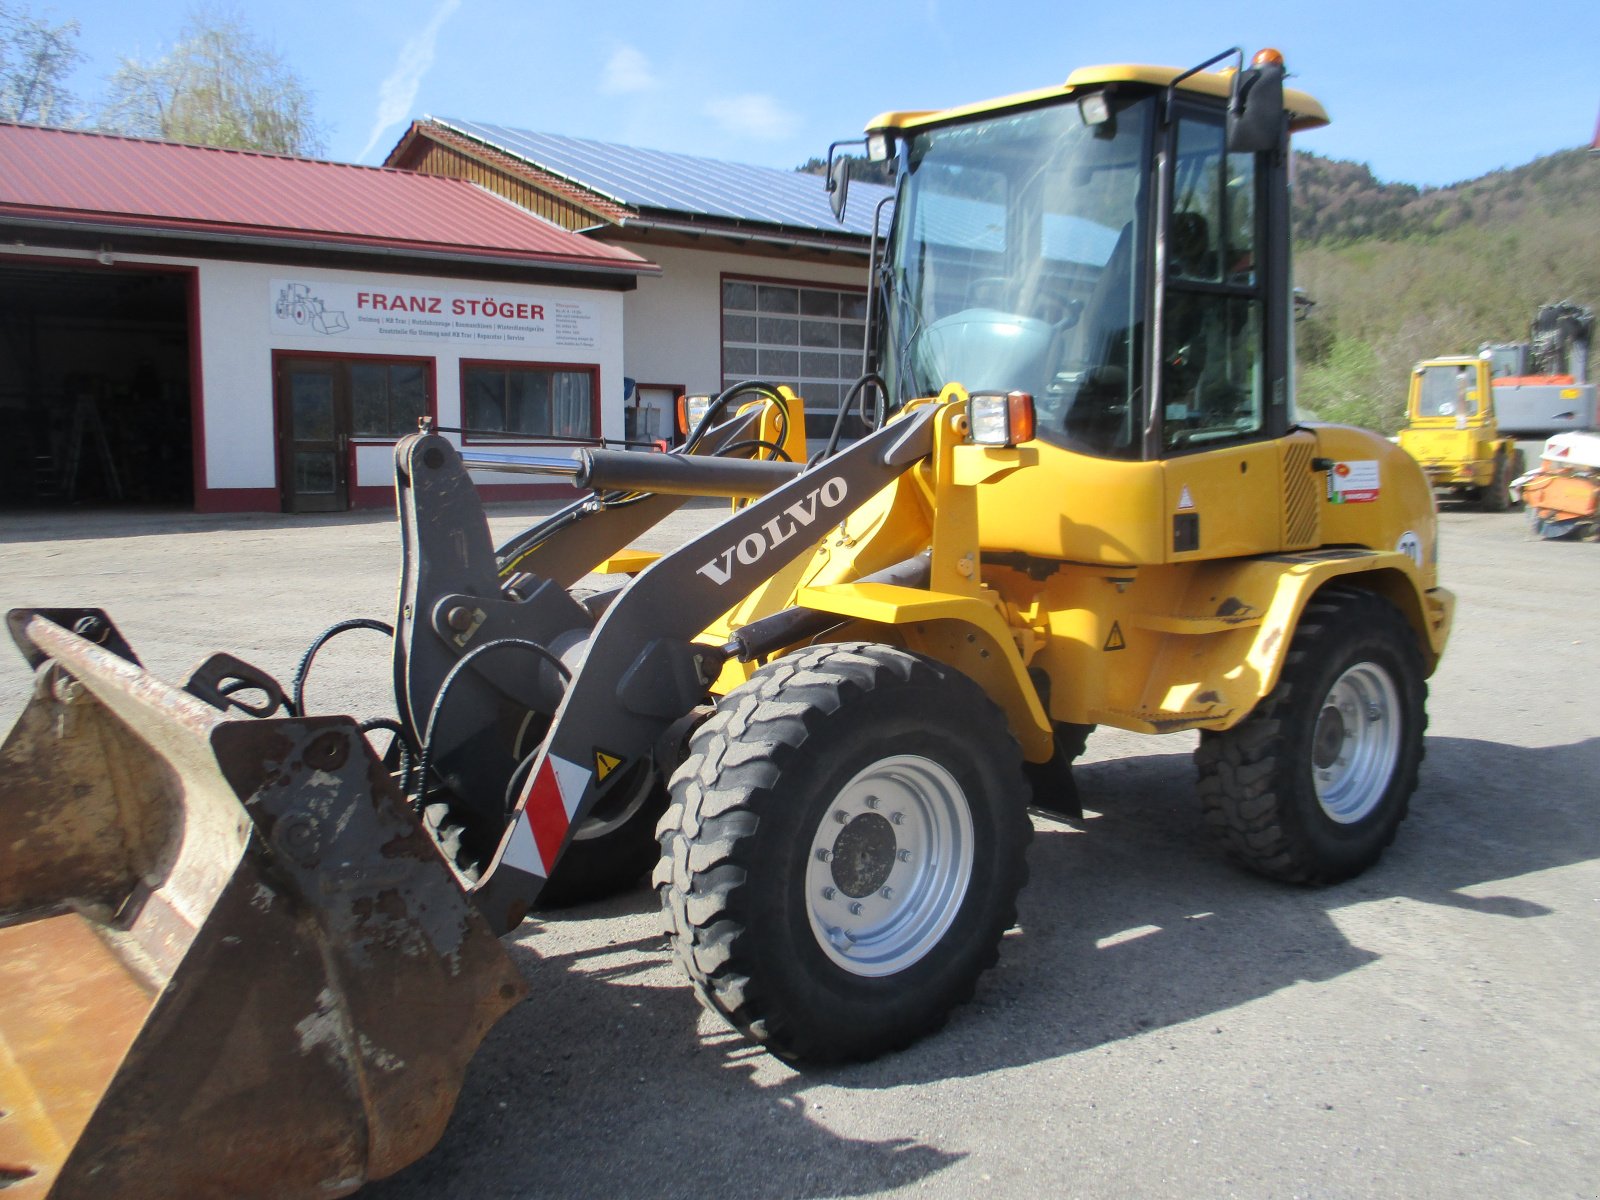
965,631
1201,649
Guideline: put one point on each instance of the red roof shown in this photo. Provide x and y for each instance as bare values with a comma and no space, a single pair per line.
99,180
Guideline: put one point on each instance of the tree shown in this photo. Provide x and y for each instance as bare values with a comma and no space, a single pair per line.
219,86
862,169
35,59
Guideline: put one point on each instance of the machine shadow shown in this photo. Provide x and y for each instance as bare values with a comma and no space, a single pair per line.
1130,922
600,1085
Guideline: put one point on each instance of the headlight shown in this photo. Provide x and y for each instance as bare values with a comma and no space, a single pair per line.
1000,418
691,411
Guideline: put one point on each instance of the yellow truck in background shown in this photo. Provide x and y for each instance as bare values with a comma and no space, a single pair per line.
1452,433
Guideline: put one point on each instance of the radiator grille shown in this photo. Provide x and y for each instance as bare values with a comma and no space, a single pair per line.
1300,494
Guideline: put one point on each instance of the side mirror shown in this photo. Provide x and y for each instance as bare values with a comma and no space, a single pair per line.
1255,110
838,186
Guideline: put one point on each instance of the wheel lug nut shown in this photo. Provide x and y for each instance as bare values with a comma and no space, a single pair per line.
855,908
898,818
887,893
824,854
841,816
828,893
872,802
904,856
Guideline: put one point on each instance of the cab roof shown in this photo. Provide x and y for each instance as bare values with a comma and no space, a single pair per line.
1305,112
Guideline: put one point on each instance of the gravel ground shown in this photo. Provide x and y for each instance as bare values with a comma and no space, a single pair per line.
1160,1024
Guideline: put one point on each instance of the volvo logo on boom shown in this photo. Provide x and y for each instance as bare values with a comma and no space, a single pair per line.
753,547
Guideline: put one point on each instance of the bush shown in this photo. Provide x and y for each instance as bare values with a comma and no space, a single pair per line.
1351,388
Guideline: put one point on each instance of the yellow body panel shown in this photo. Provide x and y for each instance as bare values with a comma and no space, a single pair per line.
966,631
1305,112
627,562
1196,645
1402,509
1068,566
1233,494
1071,506
1043,559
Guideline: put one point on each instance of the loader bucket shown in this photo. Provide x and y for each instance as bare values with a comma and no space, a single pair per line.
231,962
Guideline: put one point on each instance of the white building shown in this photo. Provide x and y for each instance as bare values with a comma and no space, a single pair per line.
757,278
248,332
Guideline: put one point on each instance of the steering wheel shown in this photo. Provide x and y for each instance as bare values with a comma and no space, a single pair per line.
993,292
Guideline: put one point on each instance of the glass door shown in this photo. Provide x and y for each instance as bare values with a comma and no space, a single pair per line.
314,437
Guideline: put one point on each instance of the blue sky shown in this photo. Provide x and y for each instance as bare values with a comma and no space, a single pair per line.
1424,93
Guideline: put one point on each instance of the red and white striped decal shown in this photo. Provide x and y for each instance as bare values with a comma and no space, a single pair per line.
548,802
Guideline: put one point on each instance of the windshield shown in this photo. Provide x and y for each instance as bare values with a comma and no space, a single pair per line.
1015,268
1448,391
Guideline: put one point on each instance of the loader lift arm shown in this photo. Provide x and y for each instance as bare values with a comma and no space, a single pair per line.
641,672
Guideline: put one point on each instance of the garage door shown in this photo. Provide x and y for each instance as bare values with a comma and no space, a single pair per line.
94,386
807,336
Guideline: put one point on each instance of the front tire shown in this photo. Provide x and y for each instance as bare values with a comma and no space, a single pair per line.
843,850
1312,786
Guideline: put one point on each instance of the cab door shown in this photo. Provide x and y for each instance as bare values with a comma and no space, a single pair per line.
1218,412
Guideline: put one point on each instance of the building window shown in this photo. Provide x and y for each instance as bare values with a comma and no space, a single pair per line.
807,336
522,398
387,399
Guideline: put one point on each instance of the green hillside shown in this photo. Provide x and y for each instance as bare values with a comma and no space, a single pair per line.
1399,273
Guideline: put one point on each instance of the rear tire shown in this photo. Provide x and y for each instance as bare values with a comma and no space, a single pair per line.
1519,468
1497,496
1312,786
843,850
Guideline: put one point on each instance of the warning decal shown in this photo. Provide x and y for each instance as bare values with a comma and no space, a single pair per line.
1354,482
1114,639
605,763
1184,499
548,801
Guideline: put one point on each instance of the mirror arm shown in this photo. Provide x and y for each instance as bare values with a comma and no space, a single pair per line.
1233,97
869,340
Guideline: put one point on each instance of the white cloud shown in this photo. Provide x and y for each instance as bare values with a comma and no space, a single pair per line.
627,71
398,92
753,114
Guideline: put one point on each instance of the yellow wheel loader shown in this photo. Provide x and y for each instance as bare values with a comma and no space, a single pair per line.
1451,431
246,954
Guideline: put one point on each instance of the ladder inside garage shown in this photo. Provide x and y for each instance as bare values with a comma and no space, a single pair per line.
86,424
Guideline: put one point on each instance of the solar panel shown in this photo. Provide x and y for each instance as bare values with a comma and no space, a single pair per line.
683,183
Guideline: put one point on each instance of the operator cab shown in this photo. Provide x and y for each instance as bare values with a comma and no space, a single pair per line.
1041,244
1453,392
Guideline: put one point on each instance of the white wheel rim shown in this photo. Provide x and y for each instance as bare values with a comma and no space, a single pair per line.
888,865
1356,743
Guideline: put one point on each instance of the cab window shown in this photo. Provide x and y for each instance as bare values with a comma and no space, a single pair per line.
1447,391
1213,353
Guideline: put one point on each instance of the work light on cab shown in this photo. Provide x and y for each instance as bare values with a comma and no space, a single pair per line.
1000,418
691,411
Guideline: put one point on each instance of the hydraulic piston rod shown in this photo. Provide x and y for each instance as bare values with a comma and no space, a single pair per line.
519,464
634,471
